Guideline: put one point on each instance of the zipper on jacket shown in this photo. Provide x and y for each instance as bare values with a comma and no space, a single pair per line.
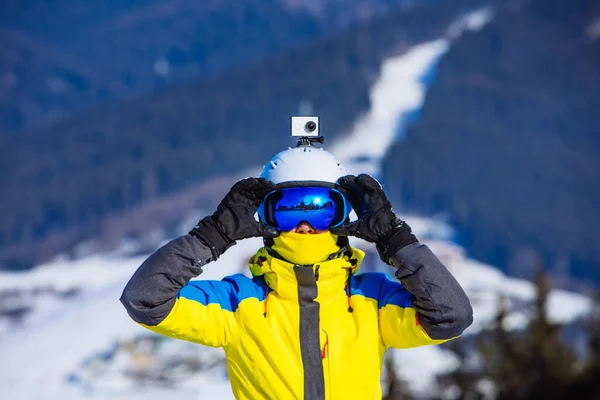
309,335
317,271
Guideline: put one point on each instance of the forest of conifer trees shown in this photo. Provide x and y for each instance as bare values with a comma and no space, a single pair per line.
545,360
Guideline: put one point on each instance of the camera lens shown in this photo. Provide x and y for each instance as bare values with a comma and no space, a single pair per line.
310,126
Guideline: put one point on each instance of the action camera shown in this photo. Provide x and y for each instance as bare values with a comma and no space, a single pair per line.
304,127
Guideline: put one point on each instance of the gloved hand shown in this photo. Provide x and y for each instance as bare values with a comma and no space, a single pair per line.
376,222
234,218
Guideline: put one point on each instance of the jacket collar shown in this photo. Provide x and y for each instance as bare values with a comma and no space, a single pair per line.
330,275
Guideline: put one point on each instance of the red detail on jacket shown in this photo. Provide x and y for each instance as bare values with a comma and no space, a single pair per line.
324,351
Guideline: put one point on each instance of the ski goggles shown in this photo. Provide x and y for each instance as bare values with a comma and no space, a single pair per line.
322,207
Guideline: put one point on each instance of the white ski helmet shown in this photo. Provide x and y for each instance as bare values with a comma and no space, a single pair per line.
303,163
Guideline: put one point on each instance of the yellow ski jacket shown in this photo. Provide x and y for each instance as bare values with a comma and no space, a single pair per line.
299,332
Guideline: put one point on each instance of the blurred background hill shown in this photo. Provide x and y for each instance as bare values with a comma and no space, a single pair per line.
224,112
108,106
122,122
508,142
61,56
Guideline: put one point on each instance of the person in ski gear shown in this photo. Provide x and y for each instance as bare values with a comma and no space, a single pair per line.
306,324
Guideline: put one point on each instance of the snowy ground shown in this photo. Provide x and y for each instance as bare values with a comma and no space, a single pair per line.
61,338
78,342
57,338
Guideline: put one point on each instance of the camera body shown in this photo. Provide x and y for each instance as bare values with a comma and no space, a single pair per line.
304,127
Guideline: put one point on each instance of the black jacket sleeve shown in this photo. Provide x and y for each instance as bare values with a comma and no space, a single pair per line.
443,307
151,292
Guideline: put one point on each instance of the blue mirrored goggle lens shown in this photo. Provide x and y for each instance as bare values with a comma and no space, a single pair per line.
323,208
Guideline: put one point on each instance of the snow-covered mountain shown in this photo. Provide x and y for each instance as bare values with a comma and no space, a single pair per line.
64,334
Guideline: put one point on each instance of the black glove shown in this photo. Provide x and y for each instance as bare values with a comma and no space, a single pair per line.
376,222
234,218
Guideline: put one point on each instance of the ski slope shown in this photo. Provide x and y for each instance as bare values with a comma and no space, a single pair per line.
397,97
58,337
72,346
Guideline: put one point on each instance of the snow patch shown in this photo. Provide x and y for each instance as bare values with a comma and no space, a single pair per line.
593,29
398,90
58,335
472,21
397,97
417,367
485,285
161,67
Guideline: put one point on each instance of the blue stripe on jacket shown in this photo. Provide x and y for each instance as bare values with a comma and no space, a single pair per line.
232,290
228,293
378,286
